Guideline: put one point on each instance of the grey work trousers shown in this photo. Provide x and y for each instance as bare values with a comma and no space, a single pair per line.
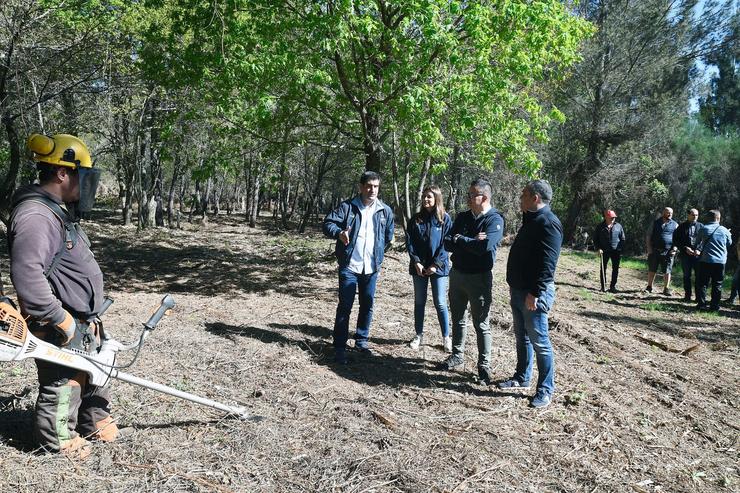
474,290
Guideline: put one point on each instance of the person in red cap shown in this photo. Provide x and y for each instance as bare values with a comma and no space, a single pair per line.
609,241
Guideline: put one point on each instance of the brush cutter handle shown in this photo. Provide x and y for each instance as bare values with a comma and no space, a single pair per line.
168,302
107,302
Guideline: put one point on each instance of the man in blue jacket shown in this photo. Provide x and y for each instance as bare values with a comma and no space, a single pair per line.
363,228
712,244
530,273
473,240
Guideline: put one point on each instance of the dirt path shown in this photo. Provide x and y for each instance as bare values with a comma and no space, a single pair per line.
253,325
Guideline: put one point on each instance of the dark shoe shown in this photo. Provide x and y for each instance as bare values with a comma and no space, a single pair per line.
541,400
513,384
364,350
731,300
668,292
340,357
452,361
702,306
485,375
687,299
648,289
613,289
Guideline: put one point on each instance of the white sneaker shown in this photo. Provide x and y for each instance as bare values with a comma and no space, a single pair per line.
416,342
448,344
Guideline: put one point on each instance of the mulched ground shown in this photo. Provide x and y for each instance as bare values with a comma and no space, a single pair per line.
647,395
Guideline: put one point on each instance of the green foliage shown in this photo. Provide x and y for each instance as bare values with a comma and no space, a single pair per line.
427,69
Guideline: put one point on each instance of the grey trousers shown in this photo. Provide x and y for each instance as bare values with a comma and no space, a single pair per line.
473,290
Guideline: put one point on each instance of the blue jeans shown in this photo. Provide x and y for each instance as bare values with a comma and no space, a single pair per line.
439,296
532,336
349,284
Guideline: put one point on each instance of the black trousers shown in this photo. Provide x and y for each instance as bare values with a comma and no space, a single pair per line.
706,273
615,257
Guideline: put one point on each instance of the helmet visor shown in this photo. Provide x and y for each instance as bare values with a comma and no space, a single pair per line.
89,179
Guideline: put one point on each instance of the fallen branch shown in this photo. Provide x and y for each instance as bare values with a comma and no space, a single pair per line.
666,348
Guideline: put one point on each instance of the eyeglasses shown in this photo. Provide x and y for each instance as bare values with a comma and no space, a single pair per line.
474,195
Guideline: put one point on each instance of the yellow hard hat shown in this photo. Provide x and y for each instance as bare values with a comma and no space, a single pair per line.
59,150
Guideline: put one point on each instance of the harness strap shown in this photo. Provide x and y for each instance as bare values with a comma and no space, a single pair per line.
71,234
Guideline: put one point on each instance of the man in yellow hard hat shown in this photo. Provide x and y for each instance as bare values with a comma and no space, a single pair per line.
60,290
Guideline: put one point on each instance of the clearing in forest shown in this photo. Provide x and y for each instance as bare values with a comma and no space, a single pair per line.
647,395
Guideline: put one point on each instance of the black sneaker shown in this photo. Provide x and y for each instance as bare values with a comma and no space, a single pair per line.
648,289
485,375
513,384
668,292
364,350
613,289
452,361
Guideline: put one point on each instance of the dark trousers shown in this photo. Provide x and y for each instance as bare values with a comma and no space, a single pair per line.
615,257
706,273
688,264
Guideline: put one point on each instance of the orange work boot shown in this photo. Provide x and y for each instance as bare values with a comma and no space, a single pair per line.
76,448
108,431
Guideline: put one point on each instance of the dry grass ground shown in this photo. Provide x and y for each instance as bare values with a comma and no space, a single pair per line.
253,325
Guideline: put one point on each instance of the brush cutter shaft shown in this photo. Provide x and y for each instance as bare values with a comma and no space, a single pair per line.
237,410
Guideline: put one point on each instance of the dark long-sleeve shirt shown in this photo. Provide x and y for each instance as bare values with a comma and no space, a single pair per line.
535,252
469,254
609,239
35,236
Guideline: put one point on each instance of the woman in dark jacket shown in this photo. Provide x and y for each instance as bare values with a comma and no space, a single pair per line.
429,263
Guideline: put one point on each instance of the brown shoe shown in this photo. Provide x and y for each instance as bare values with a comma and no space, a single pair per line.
76,448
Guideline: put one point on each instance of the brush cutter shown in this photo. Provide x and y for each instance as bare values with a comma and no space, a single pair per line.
17,343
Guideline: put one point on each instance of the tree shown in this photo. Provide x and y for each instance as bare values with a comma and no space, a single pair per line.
368,68
621,102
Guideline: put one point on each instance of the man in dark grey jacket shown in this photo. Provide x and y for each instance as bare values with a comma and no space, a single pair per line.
609,239
60,291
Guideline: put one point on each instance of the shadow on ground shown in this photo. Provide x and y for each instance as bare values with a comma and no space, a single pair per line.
157,261
378,369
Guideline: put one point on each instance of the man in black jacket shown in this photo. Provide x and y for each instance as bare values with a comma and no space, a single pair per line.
609,239
473,240
530,273
684,239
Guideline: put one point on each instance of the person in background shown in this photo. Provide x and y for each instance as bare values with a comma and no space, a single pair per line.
684,239
429,263
660,250
363,227
712,243
609,239
736,278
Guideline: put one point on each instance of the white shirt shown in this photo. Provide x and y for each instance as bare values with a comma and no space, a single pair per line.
362,256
